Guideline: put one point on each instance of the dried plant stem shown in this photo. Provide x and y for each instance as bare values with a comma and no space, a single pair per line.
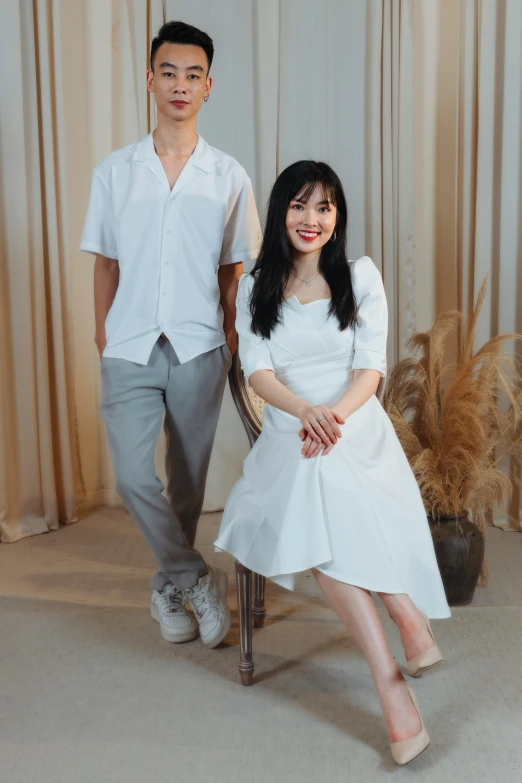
448,418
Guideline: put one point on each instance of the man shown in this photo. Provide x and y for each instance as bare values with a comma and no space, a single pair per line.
170,221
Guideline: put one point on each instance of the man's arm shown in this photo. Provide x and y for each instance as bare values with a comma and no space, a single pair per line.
228,280
106,280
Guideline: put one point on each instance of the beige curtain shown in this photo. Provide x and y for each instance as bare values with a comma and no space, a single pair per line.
468,163
390,162
41,481
416,103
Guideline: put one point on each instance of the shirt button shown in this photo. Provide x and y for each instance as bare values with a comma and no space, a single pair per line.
167,263
169,232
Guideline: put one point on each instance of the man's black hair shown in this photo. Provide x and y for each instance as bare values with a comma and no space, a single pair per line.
181,33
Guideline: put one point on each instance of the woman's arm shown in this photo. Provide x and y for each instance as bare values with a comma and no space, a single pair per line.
364,386
325,432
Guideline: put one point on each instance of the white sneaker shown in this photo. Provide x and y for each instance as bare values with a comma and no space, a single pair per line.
208,600
168,610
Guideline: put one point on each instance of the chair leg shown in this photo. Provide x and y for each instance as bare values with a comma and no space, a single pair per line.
259,600
244,607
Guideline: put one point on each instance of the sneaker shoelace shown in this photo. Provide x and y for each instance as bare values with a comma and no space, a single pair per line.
199,599
172,600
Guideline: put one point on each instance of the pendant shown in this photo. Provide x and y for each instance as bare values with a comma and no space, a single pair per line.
309,284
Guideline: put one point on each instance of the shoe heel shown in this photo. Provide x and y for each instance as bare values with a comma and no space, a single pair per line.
428,623
426,660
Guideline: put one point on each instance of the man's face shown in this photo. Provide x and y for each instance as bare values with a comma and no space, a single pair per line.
179,80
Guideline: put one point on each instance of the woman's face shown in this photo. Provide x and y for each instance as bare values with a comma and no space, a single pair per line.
310,225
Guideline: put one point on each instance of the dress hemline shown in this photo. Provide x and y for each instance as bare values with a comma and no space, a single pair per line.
333,575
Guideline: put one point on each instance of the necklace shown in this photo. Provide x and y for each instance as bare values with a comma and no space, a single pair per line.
307,283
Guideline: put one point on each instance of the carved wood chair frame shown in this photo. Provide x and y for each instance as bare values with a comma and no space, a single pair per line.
250,608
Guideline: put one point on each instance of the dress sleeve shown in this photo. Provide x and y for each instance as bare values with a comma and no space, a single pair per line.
371,330
98,233
254,353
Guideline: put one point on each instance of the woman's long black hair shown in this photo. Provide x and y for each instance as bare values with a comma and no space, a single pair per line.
272,269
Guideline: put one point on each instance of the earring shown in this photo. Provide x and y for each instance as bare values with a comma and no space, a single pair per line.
334,236
206,98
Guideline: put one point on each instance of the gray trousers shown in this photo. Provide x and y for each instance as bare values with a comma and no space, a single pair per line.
134,399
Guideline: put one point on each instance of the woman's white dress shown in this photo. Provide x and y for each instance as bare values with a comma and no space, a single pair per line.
355,514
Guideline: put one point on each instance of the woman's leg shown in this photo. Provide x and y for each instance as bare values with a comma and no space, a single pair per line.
356,609
414,632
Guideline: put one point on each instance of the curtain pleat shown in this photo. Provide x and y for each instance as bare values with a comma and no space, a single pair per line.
39,440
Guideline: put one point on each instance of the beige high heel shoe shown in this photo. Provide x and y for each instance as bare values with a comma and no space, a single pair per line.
425,660
406,750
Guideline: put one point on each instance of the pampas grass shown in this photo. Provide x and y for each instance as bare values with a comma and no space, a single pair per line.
450,422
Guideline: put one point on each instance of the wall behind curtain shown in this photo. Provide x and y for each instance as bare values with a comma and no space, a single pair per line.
417,105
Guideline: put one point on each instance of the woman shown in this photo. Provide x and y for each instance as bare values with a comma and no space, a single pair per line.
327,486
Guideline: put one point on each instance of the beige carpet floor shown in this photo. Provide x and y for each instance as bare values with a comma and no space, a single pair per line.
90,693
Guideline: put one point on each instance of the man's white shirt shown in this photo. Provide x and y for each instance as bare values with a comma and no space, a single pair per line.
169,245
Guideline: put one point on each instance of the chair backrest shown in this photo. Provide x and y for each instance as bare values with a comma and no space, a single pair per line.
381,389
249,405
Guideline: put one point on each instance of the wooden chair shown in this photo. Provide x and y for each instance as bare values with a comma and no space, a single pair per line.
250,408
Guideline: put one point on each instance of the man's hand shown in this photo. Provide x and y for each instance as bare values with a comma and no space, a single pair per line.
106,281
228,280
101,342
232,342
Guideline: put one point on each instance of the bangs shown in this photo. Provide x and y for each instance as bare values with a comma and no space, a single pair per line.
303,191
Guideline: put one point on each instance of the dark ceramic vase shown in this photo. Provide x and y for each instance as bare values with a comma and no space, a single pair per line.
459,547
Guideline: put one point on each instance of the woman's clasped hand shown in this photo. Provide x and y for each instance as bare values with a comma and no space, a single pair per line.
320,430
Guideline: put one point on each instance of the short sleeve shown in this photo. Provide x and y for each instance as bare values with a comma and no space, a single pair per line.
98,233
371,330
254,353
242,234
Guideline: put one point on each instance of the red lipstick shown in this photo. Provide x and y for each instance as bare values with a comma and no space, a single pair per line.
310,238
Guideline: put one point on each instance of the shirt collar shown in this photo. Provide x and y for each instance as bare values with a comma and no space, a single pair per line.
202,157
